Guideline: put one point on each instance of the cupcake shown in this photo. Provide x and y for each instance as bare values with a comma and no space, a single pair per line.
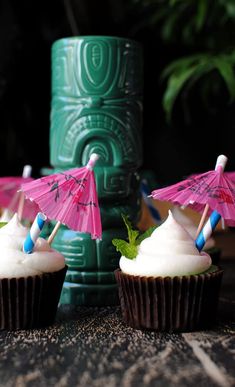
210,246
6,216
168,286
30,284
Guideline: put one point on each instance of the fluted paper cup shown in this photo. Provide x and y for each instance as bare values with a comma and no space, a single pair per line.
168,304
30,302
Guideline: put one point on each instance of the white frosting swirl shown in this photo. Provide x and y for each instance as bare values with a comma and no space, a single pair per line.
189,225
6,215
169,251
15,263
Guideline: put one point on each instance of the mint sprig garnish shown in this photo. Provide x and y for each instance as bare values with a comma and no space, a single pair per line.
146,234
129,249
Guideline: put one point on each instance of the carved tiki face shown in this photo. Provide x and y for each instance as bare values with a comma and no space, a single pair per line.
96,101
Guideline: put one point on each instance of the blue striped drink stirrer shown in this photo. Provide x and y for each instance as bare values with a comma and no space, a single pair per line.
207,230
34,232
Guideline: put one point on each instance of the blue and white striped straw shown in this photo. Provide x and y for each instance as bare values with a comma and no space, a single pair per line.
34,232
207,230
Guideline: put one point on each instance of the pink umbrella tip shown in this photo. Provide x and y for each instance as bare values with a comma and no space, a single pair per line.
27,171
93,159
221,161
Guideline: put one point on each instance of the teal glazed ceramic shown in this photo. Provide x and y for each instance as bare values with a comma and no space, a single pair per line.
96,107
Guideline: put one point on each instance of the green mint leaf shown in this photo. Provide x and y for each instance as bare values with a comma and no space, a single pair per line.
130,249
125,248
146,234
132,234
2,224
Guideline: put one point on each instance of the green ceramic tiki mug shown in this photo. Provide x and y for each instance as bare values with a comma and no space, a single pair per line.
97,108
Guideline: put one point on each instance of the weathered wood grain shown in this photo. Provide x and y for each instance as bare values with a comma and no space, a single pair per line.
89,347
93,347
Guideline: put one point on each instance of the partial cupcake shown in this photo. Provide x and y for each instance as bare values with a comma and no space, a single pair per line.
210,245
164,283
30,284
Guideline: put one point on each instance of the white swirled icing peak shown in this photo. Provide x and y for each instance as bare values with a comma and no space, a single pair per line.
190,226
169,251
15,263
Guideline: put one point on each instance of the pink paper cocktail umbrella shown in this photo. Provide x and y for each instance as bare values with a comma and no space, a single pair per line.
213,189
12,200
219,166
231,176
70,198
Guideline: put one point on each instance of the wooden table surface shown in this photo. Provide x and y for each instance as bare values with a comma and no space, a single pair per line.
93,347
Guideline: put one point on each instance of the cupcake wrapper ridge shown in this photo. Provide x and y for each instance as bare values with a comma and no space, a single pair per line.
30,302
169,304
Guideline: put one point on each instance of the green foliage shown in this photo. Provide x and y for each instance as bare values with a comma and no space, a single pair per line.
204,27
2,224
193,68
186,20
130,249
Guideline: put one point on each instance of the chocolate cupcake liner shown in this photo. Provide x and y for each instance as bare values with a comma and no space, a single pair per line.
30,302
181,304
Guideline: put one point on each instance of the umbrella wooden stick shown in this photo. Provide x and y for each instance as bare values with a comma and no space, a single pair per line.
54,232
202,220
220,163
21,206
223,223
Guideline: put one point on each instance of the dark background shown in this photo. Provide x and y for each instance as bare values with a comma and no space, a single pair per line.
27,31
